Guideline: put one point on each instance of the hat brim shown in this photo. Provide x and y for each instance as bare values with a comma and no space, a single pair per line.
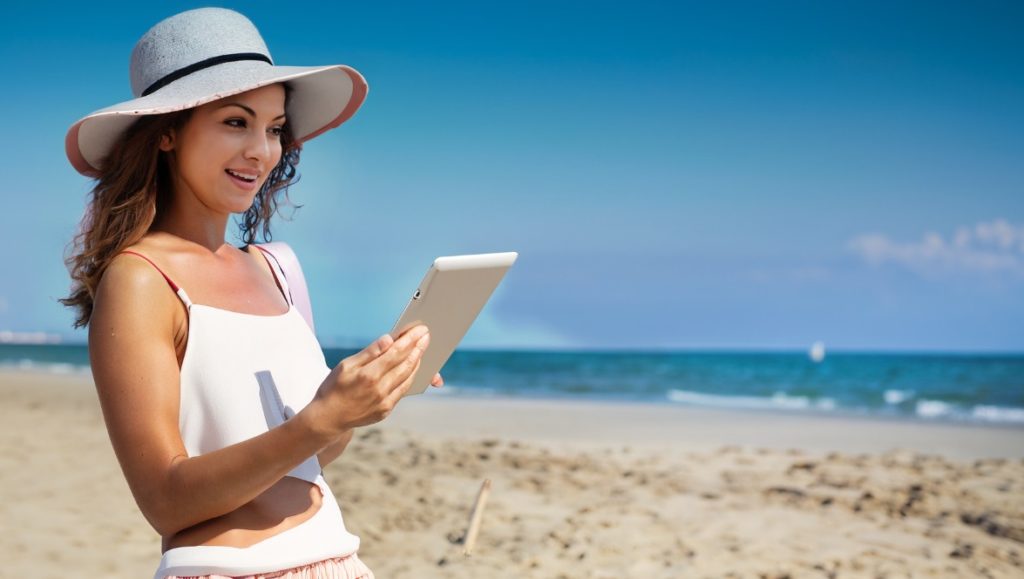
322,98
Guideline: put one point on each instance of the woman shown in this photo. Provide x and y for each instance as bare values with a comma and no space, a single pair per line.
216,395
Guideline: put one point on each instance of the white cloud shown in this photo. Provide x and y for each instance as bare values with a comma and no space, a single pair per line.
994,246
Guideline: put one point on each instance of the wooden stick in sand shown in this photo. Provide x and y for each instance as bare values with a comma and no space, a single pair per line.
475,518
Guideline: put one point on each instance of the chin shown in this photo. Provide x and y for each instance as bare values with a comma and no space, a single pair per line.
244,205
241,209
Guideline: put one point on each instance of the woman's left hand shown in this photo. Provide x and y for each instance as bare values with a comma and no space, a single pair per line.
438,381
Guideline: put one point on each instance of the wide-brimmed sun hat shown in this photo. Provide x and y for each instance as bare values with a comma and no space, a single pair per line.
202,55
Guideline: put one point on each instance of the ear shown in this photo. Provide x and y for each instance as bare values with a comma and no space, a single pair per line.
167,141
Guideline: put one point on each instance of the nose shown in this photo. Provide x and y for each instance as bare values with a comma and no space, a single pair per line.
260,147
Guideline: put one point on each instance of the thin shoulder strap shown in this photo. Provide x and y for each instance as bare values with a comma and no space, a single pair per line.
288,264
178,290
275,268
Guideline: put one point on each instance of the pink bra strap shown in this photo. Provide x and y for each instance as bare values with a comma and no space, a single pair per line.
181,292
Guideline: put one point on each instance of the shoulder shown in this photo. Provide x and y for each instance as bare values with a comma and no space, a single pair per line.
132,292
129,276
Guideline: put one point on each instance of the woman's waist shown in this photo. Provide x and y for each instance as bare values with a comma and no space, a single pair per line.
286,504
256,537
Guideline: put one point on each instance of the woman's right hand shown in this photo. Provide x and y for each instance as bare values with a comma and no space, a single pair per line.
365,387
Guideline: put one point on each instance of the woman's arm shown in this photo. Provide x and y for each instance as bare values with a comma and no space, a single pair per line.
135,368
334,450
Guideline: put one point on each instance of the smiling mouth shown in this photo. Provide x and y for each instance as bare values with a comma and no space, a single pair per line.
241,176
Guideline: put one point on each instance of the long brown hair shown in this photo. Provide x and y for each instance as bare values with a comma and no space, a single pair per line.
135,184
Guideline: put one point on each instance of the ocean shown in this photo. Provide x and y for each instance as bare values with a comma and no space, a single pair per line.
933,387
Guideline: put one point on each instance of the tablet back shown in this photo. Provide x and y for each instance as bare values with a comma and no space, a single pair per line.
448,300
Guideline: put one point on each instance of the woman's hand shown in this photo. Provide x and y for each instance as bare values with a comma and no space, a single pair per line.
329,454
365,387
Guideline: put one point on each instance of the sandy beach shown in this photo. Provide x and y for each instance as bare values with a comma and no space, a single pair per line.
578,490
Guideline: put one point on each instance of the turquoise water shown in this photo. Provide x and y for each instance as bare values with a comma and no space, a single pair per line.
945,387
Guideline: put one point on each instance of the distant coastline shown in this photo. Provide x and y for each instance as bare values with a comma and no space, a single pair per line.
29,338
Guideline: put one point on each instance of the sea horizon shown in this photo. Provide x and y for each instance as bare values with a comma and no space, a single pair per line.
57,340
961,387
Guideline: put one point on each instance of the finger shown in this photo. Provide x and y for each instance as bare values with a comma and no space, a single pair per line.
371,352
395,395
402,347
409,337
401,371
438,381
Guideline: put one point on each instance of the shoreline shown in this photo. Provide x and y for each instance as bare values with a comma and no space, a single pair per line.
840,414
656,426
666,427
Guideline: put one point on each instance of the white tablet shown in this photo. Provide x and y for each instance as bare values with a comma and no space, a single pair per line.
449,298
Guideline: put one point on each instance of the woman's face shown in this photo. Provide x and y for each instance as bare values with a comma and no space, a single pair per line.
223,154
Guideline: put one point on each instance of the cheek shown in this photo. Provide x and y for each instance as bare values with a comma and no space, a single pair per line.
276,154
202,156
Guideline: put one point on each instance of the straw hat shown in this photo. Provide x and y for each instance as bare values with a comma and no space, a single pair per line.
203,55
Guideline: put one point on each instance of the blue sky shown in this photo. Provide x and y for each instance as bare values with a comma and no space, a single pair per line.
673,175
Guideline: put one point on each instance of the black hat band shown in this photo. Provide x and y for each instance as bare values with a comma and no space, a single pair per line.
169,78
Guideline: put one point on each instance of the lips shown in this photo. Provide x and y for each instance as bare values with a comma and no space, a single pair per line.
244,180
243,175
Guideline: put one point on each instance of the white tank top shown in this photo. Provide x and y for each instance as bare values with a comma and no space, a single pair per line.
242,375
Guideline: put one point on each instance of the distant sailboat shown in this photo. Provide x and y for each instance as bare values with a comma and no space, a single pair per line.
817,352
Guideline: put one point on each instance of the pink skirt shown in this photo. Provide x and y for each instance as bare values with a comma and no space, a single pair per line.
349,567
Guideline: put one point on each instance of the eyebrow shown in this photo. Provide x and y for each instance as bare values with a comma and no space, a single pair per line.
247,109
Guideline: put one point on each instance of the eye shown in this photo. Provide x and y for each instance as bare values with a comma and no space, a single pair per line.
238,123
277,131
